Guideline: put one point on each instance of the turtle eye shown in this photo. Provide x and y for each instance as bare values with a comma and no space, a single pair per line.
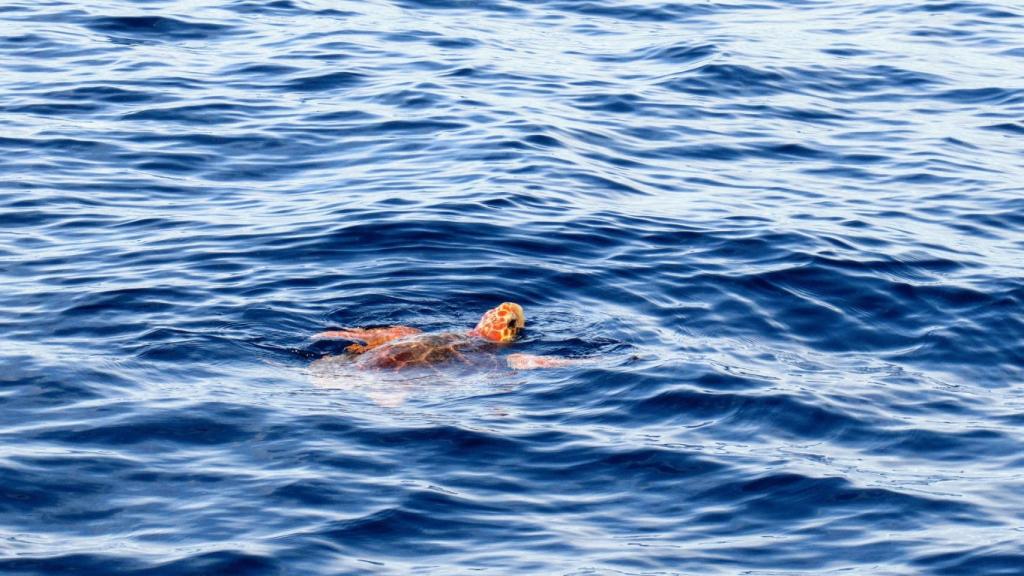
512,324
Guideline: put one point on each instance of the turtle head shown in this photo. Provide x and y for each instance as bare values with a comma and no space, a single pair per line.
502,323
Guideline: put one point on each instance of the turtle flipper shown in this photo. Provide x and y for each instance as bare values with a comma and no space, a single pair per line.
370,337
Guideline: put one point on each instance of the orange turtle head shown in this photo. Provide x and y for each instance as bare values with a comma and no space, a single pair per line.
501,324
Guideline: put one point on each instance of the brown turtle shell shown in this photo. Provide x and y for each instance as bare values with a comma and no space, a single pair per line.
424,350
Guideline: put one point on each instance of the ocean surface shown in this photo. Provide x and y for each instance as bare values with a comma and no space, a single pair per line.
787,237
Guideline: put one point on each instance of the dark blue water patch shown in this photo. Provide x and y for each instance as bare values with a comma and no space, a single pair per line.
982,9
674,54
325,82
808,115
734,81
29,39
569,469
424,520
158,27
411,99
286,7
344,117
1003,558
27,385
742,413
219,425
728,79
681,53
668,469
990,95
234,562
413,36
254,69
950,447
499,6
846,51
398,127
210,113
794,497
101,93
142,300
224,562
35,492
79,562
1008,127
54,109
174,163
665,11
312,493
455,43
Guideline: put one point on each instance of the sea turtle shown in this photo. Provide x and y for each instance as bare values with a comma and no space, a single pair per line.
384,362
402,347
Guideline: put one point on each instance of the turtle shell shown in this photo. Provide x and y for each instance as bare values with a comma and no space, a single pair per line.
421,350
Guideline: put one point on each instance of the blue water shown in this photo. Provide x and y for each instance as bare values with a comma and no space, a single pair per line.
789,236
